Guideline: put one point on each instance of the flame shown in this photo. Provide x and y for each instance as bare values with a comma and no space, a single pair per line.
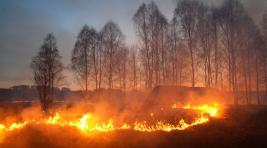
89,122
204,110
212,109
174,106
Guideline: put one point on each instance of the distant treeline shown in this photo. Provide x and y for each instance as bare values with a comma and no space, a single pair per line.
159,95
30,93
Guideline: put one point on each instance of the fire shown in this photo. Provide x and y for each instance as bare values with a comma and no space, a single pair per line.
212,109
204,110
90,123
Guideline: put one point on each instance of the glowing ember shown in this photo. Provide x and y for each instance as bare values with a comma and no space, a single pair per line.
88,122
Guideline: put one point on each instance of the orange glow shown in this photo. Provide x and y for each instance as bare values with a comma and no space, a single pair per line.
89,122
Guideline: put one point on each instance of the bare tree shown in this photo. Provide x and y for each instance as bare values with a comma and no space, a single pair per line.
152,28
186,12
85,56
264,27
122,60
133,67
225,39
259,53
80,56
112,39
163,50
96,57
215,39
177,53
47,69
247,54
232,12
204,32
141,22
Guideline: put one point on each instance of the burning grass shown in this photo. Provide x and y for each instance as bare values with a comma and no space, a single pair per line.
109,119
239,126
91,123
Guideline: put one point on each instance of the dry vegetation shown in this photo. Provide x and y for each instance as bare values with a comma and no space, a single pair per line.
243,126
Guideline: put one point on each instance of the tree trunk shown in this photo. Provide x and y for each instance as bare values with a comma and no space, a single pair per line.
257,81
192,60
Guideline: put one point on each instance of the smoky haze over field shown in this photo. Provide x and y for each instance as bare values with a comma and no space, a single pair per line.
24,25
133,73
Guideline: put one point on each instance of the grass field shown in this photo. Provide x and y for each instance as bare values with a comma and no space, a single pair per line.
239,126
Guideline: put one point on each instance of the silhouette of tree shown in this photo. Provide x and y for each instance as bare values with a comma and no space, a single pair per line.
85,55
112,40
47,69
186,12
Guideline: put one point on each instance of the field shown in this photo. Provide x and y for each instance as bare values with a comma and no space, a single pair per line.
239,126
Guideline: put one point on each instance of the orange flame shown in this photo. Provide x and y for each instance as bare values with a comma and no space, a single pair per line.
88,122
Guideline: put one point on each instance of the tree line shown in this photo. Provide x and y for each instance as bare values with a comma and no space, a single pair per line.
215,47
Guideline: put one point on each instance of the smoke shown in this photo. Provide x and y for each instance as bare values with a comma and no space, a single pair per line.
114,104
103,105
256,9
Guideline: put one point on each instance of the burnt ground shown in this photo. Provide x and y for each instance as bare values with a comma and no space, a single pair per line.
241,126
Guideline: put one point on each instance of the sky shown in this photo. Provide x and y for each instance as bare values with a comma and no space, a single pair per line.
25,23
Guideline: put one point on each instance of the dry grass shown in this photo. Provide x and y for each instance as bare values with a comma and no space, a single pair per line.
243,126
